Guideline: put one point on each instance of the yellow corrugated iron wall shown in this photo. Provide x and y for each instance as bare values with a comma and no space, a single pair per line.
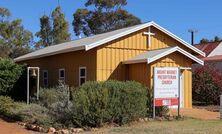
162,40
143,73
111,55
177,60
139,72
70,62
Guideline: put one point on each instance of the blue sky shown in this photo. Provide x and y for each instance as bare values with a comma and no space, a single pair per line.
176,16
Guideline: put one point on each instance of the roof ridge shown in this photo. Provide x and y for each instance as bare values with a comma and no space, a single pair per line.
91,42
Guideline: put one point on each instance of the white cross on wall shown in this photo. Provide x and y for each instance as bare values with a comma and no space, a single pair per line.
149,36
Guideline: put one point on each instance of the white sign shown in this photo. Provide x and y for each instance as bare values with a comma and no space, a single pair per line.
166,83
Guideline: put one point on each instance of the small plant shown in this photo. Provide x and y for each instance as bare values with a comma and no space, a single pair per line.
57,101
7,106
34,114
47,97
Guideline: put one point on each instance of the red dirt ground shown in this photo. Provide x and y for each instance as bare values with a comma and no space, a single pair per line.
200,113
12,128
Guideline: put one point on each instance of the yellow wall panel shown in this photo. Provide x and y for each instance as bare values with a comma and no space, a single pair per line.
70,62
161,40
177,60
120,50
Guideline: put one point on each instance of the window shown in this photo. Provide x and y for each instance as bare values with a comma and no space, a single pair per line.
82,75
62,75
45,78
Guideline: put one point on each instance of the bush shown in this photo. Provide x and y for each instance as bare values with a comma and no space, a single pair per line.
7,106
10,73
34,114
90,105
50,96
95,103
19,111
207,85
56,100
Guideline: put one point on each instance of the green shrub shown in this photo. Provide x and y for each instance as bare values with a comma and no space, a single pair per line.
10,72
47,97
95,103
34,114
56,100
7,106
90,104
19,111
19,90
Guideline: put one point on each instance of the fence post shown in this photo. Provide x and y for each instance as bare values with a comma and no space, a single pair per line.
221,107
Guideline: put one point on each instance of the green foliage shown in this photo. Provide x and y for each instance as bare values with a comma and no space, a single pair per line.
10,72
60,27
90,104
47,97
106,3
45,33
7,106
14,39
56,100
4,12
54,32
217,38
106,15
34,114
95,103
207,85
205,40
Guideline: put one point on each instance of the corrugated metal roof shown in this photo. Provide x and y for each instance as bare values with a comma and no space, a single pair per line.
74,45
213,58
149,54
207,47
97,40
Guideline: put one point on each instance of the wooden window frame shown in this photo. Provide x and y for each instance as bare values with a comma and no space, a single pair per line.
47,78
82,77
62,78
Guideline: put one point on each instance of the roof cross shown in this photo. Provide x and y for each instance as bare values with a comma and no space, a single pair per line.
149,36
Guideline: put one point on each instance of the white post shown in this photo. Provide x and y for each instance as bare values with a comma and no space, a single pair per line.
179,92
38,84
149,31
221,107
154,112
28,85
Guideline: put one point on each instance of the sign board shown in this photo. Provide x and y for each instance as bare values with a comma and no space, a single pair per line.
166,86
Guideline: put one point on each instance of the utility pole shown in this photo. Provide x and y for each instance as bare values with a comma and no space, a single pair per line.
192,31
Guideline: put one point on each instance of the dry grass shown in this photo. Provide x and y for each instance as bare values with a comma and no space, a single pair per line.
187,126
